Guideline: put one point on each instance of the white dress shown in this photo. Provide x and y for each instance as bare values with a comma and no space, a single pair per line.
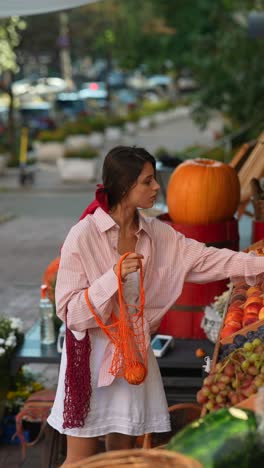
119,407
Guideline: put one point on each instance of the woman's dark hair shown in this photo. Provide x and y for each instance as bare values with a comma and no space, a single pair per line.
122,166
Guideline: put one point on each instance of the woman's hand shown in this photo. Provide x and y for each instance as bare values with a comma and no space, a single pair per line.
129,265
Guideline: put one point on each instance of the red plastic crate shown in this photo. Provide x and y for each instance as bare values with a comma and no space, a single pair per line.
182,324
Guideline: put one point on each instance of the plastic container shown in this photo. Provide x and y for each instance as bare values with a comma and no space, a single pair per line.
47,329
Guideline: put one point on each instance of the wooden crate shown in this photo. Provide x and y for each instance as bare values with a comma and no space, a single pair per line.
252,327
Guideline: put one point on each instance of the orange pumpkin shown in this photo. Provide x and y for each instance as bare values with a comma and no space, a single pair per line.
203,191
135,373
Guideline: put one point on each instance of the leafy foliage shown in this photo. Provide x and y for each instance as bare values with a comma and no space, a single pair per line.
10,337
10,34
85,153
25,383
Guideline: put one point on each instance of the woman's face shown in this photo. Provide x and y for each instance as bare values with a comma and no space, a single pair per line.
144,193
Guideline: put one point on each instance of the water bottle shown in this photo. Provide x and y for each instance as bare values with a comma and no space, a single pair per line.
47,330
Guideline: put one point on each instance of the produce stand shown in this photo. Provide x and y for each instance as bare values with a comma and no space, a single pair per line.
219,359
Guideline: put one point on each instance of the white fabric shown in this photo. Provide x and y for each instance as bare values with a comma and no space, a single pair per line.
34,7
119,407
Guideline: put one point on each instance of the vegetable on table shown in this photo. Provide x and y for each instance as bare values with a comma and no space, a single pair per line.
227,438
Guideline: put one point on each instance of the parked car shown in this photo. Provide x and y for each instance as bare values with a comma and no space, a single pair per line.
186,82
95,94
116,79
125,99
39,86
70,106
37,116
162,81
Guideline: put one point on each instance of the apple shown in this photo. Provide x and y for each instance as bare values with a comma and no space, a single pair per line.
241,285
239,291
233,316
234,323
234,308
261,314
253,299
249,320
237,299
253,308
253,290
228,330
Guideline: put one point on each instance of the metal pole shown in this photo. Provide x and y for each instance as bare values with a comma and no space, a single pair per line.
64,45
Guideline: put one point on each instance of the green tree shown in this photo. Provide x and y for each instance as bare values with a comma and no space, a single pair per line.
212,40
10,35
133,31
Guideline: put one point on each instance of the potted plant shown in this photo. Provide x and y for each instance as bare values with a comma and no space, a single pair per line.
50,145
79,164
114,129
11,336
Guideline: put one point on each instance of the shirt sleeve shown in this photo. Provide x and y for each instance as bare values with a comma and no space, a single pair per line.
207,264
72,281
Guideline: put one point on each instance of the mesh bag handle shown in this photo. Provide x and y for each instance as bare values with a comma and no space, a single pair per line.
126,333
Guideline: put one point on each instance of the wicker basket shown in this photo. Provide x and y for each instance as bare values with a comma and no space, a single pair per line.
259,209
138,458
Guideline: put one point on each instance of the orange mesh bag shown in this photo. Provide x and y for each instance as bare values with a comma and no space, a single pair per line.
127,334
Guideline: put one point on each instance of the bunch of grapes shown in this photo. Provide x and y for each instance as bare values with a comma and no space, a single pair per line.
235,378
239,341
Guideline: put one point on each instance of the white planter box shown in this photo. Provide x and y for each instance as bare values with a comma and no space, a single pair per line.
3,163
144,123
49,152
96,139
77,170
76,142
130,128
159,118
113,133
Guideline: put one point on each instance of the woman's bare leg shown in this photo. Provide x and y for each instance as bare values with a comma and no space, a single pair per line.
116,441
79,448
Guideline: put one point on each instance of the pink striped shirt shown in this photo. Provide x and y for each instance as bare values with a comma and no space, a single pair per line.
90,252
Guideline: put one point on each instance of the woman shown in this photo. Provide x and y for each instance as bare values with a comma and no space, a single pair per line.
111,406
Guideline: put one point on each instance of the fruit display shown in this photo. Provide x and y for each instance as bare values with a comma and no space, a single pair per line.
227,438
238,361
237,376
246,307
